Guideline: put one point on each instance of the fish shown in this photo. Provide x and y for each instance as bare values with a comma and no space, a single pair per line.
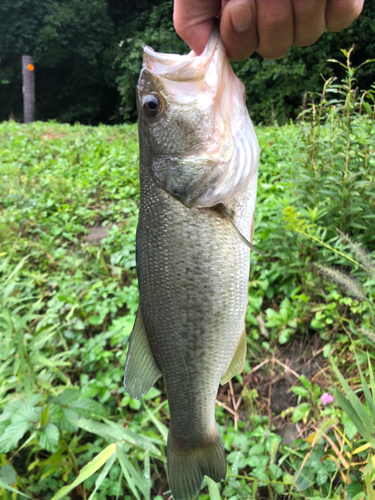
198,182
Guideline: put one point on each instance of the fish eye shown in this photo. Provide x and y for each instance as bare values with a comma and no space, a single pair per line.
153,106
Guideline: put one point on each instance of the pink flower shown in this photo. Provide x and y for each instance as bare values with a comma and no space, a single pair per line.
326,398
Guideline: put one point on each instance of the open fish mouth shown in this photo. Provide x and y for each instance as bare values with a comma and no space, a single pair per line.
215,152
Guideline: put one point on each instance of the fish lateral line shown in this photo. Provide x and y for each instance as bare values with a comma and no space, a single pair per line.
222,209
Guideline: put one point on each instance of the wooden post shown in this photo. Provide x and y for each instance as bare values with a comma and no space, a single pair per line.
28,89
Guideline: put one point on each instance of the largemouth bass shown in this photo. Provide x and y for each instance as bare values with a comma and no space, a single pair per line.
198,176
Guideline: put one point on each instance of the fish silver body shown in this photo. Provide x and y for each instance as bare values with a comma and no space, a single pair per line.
192,266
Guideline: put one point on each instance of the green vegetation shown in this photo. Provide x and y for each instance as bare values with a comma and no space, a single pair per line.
88,53
67,304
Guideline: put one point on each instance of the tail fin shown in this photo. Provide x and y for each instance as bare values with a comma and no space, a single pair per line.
186,469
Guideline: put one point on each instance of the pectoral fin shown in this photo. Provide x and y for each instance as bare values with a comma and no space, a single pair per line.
141,371
223,210
238,360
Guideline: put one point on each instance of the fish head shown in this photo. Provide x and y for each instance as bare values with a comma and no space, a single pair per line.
195,131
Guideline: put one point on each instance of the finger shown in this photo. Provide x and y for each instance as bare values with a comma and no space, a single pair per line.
275,27
238,29
340,13
193,20
309,21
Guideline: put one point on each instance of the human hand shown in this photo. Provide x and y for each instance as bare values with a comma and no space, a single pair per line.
269,26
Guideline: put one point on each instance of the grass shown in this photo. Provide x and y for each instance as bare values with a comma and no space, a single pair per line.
67,305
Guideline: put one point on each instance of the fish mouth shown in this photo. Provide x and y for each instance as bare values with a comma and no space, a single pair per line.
184,68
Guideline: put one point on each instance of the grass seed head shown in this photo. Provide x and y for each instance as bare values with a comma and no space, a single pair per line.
363,257
347,283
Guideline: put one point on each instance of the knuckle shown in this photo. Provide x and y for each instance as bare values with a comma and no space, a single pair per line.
274,22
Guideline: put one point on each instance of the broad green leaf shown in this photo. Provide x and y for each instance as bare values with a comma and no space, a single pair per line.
26,413
12,434
34,399
360,496
256,449
316,391
66,423
88,407
305,382
349,428
3,426
44,418
10,410
303,481
353,489
287,479
87,471
8,474
56,413
49,437
13,490
300,391
300,412
152,393
285,335
321,476
67,397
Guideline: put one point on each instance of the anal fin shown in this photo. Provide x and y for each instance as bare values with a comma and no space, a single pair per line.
236,365
141,371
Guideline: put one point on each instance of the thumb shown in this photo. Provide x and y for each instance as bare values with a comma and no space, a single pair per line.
194,19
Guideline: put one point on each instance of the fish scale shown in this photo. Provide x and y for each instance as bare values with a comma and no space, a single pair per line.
194,312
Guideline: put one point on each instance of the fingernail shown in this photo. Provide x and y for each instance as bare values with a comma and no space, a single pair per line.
241,16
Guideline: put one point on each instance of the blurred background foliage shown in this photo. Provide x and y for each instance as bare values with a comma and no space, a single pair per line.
88,54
